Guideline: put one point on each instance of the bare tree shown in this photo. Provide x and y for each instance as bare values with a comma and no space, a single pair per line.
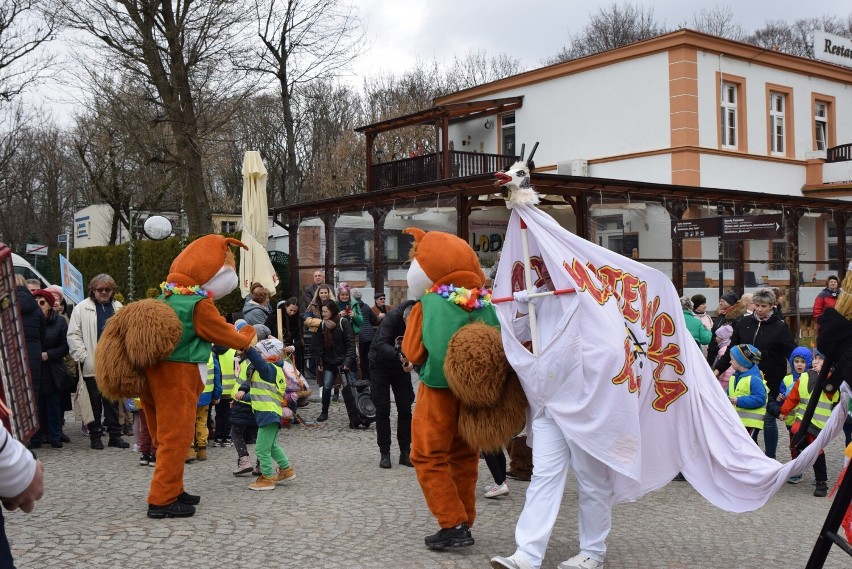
717,21
182,49
611,27
476,67
124,154
798,38
303,40
24,28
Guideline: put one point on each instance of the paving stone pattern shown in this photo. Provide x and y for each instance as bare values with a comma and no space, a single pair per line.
342,511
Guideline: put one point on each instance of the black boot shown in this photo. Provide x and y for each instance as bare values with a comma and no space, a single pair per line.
385,462
188,499
458,536
118,442
324,415
404,459
174,510
97,443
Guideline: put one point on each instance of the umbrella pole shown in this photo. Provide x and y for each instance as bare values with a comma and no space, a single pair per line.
528,282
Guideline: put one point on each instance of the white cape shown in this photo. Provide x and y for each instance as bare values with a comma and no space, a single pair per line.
624,379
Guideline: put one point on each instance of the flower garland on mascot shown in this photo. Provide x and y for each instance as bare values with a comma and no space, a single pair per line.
158,350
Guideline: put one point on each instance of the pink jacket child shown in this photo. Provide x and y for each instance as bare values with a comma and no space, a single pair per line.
723,339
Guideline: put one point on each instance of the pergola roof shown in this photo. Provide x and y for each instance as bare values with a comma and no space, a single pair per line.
450,111
483,184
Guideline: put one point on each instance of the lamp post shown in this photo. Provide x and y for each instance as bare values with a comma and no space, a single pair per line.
720,211
130,287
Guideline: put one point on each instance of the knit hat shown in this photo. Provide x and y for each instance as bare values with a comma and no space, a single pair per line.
378,295
239,324
201,260
262,331
764,296
56,290
698,300
746,355
342,287
46,294
730,298
685,303
446,258
270,349
357,295
818,354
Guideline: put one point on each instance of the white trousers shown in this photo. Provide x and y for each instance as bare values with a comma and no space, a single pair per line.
553,454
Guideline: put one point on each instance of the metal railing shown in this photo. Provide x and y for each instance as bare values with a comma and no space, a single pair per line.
841,153
429,168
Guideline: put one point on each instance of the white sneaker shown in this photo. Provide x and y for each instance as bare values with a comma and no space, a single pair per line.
511,562
581,561
497,490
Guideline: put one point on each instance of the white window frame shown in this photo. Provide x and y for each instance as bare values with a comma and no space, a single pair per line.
777,122
729,115
507,126
821,124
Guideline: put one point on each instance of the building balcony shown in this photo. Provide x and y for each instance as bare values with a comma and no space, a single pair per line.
829,173
430,168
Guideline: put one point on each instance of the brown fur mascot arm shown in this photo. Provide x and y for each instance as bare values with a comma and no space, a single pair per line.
412,342
210,326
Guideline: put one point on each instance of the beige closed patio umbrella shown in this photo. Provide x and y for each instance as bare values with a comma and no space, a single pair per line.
255,265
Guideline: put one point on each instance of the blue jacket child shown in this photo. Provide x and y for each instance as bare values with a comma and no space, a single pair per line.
747,389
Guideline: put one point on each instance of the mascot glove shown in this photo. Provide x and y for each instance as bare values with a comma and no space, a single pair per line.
248,332
521,296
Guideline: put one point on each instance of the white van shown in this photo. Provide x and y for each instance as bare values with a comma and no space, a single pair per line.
23,267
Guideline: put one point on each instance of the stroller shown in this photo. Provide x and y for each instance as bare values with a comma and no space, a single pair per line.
356,396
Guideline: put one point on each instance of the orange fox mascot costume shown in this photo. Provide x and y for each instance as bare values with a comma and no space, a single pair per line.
468,397
159,349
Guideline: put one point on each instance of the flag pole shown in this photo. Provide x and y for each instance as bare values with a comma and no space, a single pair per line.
528,283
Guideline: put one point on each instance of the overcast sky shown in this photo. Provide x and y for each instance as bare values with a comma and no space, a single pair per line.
531,30
401,31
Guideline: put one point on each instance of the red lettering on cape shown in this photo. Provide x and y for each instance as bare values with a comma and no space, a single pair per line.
583,281
627,374
667,393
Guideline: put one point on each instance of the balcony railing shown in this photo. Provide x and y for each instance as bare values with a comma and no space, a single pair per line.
842,153
429,168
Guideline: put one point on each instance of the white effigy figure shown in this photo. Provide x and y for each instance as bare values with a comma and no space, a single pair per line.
617,388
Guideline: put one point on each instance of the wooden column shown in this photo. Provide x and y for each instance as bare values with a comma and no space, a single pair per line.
370,138
329,221
676,209
379,215
580,204
445,147
293,259
840,222
463,207
791,233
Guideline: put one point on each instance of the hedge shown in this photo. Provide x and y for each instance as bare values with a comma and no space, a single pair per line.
151,262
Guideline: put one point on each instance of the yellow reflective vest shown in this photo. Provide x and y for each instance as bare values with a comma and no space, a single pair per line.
823,408
226,367
749,417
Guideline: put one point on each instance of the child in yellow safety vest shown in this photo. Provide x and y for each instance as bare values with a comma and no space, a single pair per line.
265,386
222,433
796,404
800,363
747,390
210,396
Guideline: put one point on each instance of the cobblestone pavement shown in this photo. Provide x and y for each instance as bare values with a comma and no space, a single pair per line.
342,511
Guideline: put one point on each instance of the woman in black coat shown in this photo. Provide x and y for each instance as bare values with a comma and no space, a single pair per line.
53,372
292,329
33,321
334,348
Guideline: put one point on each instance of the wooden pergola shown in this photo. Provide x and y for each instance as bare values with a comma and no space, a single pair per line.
580,193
